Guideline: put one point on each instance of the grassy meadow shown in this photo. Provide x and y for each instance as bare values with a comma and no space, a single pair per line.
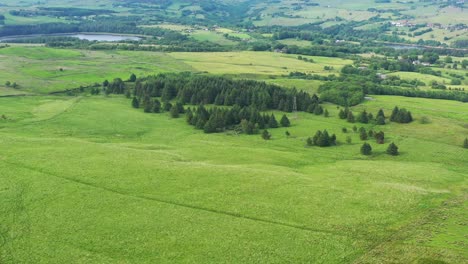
89,179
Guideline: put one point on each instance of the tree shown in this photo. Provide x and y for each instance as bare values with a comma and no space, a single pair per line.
189,116
381,113
285,121
326,113
8,83
310,141
156,106
465,143
132,78
174,111
266,135
379,137
105,83
287,133
394,114
350,117
392,149
362,133
348,140
135,103
344,130
380,120
272,123
366,149
167,106
363,118
342,114
354,129
147,104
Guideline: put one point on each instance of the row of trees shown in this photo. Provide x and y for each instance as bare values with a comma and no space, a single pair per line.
392,149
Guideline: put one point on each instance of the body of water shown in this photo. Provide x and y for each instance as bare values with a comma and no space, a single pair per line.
83,36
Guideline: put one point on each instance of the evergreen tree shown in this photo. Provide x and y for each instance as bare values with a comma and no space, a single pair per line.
465,143
354,129
318,110
344,130
272,123
363,117
380,120
326,113
370,117
366,149
392,149
371,133
324,139
189,116
342,114
285,121
381,114
174,111
362,133
132,78
105,83
167,106
350,117
156,106
379,137
266,135
333,140
310,141
147,104
394,114
348,140
135,103
287,133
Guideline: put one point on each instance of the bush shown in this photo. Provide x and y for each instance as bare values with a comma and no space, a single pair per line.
366,149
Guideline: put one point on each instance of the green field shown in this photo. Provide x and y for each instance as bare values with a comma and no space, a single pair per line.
89,179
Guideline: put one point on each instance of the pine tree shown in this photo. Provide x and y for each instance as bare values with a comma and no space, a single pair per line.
272,123
362,133
350,117
366,149
132,78
342,114
167,106
392,149
285,121
147,104
310,141
135,103
380,120
363,117
318,110
174,111
326,113
465,143
371,133
189,116
354,129
381,114
394,114
156,106
266,135
379,137
324,139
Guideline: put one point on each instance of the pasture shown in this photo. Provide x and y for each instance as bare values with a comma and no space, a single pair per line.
90,179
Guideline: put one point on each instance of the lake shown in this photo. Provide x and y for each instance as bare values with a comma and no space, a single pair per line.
82,36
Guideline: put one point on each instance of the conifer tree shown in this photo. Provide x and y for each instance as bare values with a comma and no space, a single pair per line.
354,129
156,106
266,135
366,149
380,120
132,78
318,110
167,106
189,115
362,133
349,140
135,103
174,111
147,104
394,114
342,114
326,113
465,143
392,149
381,113
272,123
310,141
285,121
379,137
363,117
344,130
350,117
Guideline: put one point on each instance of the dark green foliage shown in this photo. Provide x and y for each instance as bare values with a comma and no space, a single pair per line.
379,137
380,120
323,139
318,110
362,133
266,135
366,149
156,106
350,117
349,140
135,102
147,104
174,111
272,123
354,129
132,78
189,116
371,133
167,106
342,114
465,143
392,149
401,115
285,121
381,114
248,127
287,133
363,118
344,130
326,113
105,83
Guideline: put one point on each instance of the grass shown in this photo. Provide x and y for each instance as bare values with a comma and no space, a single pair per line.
79,186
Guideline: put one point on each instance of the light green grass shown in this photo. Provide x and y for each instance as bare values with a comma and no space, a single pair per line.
92,180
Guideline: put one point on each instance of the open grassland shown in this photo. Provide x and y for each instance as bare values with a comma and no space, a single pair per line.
265,63
89,179
43,70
